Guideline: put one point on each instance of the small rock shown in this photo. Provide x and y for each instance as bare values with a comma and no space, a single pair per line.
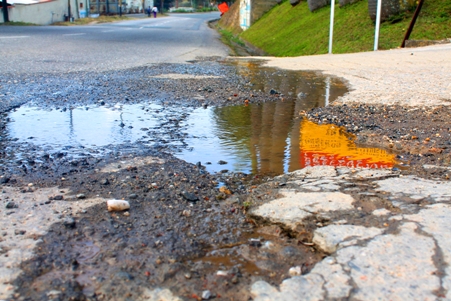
11,205
81,196
222,162
190,197
295,271
69,223
225,190
124,276
19,232
117,205
222,273
255,242
4,180
105,182
133,196
206,295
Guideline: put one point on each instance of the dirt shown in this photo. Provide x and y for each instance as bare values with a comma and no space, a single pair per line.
186,229
420,136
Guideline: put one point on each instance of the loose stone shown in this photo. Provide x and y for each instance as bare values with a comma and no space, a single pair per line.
117,205
206,295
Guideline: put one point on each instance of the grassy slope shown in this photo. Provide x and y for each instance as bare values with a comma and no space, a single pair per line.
294,31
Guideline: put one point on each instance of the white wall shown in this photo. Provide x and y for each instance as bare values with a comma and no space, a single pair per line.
41,13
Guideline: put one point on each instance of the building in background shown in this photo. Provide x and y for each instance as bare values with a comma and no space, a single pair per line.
42,12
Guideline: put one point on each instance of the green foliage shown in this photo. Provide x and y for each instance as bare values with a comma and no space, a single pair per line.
181,10
206,9
100,19
294,31
246,204
12,23
229,38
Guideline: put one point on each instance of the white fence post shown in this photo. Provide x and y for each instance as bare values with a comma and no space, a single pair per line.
331,31
378,23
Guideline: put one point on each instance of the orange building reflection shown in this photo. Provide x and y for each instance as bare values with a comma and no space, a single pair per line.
331,145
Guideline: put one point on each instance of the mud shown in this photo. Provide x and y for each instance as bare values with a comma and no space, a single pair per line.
186,229
420,136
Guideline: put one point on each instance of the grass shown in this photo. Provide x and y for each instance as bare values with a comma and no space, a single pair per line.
198,10
295,31
12,23
229,38
100,19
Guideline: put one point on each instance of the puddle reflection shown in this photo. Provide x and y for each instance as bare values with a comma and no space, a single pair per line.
269,138
331,145
272,139
95,126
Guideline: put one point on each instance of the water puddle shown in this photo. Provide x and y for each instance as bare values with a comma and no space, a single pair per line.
268,138
331,145
86,126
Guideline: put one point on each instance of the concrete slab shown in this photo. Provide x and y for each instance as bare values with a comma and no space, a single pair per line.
332,237
293,207
435,221
416,188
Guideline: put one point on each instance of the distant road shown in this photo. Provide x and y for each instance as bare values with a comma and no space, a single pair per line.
174,39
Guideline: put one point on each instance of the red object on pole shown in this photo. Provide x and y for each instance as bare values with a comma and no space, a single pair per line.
223,7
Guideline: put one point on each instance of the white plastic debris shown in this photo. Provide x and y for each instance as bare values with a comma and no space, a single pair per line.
117,205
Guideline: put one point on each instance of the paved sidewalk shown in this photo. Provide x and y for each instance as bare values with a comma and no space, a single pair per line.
409,76
388,237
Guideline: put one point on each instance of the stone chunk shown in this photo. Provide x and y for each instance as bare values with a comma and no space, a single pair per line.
416,188
317,4
309,287
117,205
293,207
393,267
434,220
312,172
159,294
330,238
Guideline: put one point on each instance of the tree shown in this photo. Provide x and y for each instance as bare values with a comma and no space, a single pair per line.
5,11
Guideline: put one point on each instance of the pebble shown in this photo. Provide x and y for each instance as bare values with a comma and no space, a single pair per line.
206,295
117,205
69,222
81,196
190,197
11,205
295,271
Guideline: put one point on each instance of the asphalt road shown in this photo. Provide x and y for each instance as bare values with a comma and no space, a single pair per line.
177,38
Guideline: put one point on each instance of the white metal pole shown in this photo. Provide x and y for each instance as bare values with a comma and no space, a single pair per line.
331,31
326,102
378,23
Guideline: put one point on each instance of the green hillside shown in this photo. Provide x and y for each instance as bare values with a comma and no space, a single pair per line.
295,31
